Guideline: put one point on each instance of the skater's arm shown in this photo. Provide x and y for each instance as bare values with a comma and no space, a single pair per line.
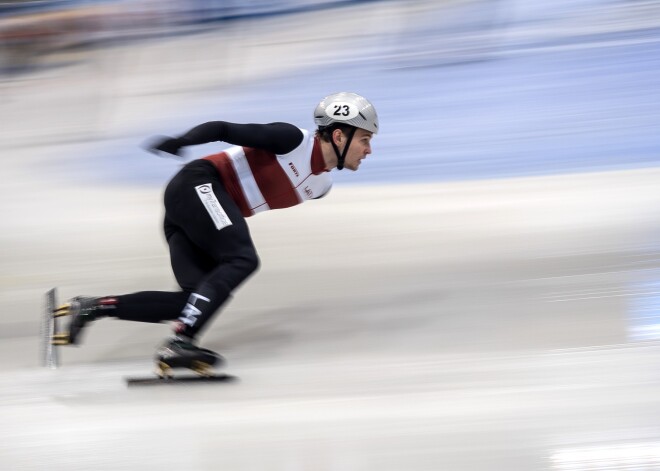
279,138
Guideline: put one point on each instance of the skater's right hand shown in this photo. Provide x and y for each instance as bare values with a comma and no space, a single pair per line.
169,145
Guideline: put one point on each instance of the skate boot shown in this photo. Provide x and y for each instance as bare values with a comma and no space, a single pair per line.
181,352
82,309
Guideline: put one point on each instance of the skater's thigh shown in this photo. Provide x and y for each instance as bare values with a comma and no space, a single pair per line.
190,264
200,207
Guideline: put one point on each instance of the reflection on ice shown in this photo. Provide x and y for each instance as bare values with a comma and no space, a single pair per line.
608,456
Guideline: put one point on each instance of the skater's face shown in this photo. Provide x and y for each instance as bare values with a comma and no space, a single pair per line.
358,150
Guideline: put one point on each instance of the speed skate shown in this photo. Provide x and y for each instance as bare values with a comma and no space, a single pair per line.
204,365
176,355
175,360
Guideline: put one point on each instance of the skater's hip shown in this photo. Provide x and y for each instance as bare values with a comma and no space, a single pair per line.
197,172
199,168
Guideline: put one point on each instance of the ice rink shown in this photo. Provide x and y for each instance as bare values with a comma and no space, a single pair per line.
484,294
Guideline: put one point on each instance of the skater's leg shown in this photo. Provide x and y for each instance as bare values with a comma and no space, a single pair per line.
226,244
211,253
215,289
145,306
150,306
190,264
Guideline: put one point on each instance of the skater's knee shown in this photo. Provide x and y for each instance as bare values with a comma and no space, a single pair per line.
250,262
233,271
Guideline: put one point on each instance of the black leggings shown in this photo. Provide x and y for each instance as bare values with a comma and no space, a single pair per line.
211,252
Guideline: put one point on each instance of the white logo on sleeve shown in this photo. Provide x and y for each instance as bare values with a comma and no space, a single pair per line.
212,205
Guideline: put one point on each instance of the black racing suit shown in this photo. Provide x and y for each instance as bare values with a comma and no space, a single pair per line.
208,263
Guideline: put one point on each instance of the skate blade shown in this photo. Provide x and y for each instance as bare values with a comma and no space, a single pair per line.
163,370
60,339
63,310
180,380
202,369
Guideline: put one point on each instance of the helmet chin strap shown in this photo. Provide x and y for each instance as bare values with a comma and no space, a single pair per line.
341,156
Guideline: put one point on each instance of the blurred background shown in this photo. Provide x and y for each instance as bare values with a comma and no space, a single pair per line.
481,295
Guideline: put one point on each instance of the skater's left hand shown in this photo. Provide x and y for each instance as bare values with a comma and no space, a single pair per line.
169,145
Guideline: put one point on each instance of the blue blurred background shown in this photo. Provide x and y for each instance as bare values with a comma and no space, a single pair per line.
468,89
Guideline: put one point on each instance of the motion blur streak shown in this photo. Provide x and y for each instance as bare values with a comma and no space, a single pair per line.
481,295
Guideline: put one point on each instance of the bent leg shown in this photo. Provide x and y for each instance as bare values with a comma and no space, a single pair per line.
190,264
207,229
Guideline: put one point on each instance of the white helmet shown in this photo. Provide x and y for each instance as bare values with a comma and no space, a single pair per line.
346,108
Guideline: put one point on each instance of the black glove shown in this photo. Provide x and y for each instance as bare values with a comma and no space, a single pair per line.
170,145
